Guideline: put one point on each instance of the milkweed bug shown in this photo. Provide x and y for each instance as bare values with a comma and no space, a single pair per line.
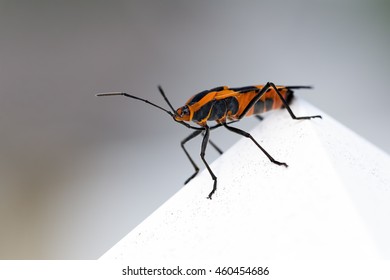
225,105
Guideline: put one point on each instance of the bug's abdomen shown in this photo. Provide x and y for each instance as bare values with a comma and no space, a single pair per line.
271,101
223,108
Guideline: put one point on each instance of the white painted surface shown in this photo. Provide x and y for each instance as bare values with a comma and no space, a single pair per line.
332,202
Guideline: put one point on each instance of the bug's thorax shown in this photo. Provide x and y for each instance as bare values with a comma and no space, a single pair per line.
196,103
208,106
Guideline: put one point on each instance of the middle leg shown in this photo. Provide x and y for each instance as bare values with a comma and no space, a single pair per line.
246,134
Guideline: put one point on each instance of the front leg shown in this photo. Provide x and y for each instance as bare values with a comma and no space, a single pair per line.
202,155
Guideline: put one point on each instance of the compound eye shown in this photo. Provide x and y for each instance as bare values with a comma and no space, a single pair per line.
184,111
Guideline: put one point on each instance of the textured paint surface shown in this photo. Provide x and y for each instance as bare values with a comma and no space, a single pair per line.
78,172
312,210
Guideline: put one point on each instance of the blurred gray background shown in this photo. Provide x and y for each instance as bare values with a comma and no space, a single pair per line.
78,172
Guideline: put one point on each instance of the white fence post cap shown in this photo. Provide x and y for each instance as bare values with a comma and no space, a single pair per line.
332,202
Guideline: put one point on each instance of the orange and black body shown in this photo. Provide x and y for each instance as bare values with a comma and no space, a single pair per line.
225,105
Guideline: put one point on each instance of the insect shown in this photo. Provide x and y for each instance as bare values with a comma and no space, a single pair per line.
224,106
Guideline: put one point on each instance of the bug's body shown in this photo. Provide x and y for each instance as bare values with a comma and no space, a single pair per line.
222,104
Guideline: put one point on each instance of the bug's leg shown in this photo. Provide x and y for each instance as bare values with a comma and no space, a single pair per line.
188,138
260,118
219,150
246,134
260,94
202,154
288,107
214,146
253,101
214,127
